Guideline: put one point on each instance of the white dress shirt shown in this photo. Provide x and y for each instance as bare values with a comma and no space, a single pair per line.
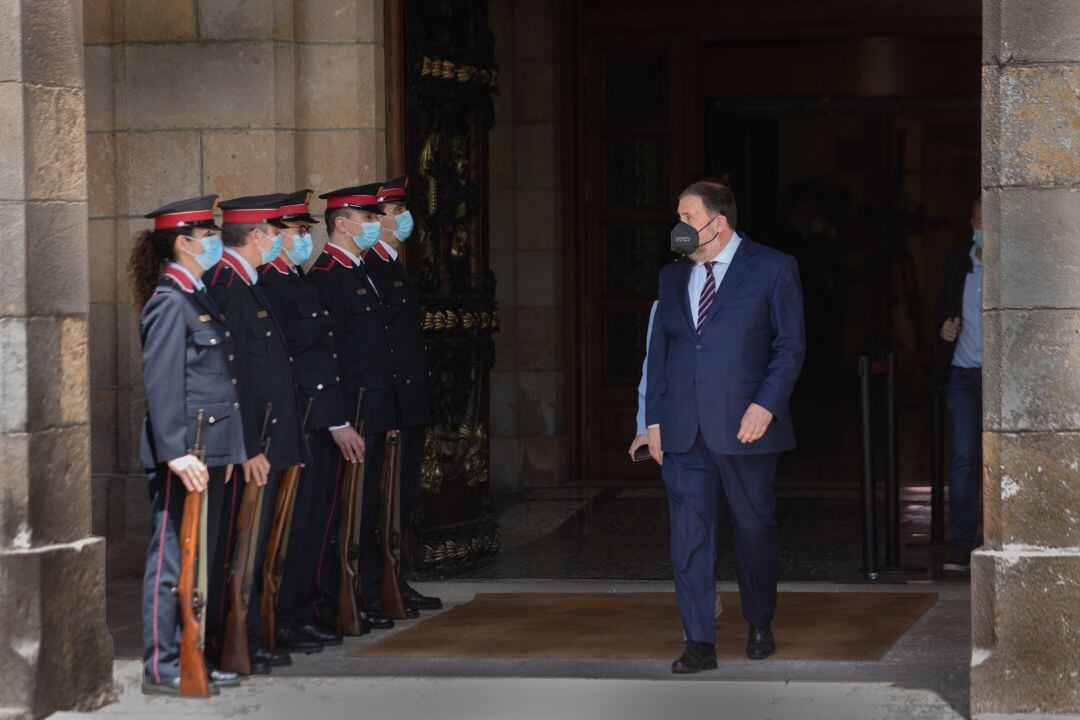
390,252
719,270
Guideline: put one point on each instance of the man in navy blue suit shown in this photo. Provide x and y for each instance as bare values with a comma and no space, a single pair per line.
726,349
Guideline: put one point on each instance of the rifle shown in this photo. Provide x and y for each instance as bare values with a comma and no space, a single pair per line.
235,651
352,499
191,585
393,604
276,542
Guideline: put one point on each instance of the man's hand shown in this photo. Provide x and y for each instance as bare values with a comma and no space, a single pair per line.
755,421
638,442
950,329
392,434
257,470
350,443
191,471
655,450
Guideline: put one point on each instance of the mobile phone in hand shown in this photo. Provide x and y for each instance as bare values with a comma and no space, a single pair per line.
642,453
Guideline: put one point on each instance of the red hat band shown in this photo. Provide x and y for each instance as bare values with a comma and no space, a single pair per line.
244,217
182,219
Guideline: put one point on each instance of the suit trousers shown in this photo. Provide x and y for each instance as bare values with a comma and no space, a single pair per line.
694,481
412,457
162,627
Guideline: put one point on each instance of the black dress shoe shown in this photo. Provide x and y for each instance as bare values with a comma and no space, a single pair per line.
414,599
292,639
259,667
223,678
695,658
760,643
273,658
168,687
323,636
375,620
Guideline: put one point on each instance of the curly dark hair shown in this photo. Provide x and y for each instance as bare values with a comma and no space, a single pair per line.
150,255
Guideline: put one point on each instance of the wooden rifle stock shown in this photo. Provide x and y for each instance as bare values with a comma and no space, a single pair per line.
393,605
350,621
190,592
273,558
235,650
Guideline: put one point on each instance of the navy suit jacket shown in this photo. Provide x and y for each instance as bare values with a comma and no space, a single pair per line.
749,351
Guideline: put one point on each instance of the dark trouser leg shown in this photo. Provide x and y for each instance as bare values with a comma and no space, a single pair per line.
324,588
370,553
749,488
266,517
964,399
224,503
412,456
161,620
309,521
692,483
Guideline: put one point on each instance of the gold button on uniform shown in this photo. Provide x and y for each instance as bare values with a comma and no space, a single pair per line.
233,381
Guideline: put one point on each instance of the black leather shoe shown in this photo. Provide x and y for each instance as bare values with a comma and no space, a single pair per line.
259,667
223,678
414,599
291,639
323,636
168,687
695,658
375,620
273,658
760,643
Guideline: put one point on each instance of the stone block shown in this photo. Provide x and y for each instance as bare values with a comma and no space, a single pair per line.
126,231
156,168
1028,32
501,158
59,388
55,143
128,346
330,20
371,28
13,167
534,91
501,209
166,85
328,159
1032,256
534,30
1030,493
236,19
540,334
536,286
285,164
14,352
52,43
104,420
105,264
97,21
534,157
239,163
130,412
60,470
506,352
70,666
503,404
156,19
285,82
328,87
1025,606
372,82
535,220
102,320
13,274
15,529
544,460
101,174
58,280
505,458
1028,370
1030,125
540,402
99,88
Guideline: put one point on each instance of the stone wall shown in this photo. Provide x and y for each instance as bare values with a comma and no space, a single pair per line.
54,651
528,442
184,97
1026,578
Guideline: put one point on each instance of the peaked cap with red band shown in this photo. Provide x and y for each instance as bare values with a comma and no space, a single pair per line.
191,213
294,208
361,197
252,209
394,190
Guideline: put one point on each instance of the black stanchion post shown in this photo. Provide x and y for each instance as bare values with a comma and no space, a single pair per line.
870,571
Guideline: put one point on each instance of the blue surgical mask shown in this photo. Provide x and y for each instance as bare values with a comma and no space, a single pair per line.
301,249
976,237
211,251
404,223
275,249
370,235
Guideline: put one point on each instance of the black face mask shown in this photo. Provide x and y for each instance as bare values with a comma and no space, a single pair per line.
685,238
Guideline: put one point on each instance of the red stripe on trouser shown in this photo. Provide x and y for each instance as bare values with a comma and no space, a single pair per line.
157,576
326,534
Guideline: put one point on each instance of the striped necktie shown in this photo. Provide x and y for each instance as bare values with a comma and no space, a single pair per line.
708,292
